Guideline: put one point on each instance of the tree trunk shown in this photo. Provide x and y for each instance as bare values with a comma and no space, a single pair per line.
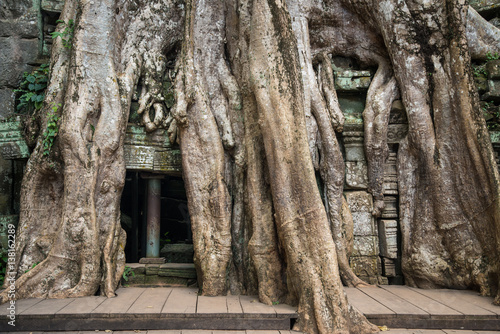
256,113
449,197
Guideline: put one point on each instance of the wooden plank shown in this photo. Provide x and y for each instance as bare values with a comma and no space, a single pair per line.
396,304
125,297
151,301
452,299
473,297
215,306
173,331
234,305
427,304
367,305
20,305
47,307
254,309
82,306
285,310
415,331
182,301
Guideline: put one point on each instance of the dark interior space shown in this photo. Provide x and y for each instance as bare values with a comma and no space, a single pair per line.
175,227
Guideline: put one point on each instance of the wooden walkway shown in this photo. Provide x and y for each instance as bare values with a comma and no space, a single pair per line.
148,309
397,306
182,309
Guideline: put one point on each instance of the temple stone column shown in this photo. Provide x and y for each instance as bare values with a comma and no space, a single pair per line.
153,219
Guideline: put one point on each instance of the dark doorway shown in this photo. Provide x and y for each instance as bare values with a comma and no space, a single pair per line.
175,227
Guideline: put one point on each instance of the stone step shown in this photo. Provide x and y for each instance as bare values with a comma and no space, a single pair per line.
160,275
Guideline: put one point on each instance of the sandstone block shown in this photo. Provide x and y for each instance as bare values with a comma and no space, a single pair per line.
390,207
365,246
493,69
152,269
7,100
365,266
388,237
356,175
14,59
389,267
396,133
361,206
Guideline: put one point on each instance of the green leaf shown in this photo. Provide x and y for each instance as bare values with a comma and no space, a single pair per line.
31,86
31,78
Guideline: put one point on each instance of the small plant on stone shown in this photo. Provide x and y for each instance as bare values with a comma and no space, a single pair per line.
32,90
50,133
67,34
127,273
492,56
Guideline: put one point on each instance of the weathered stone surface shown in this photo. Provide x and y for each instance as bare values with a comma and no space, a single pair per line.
352,106
388,237
7,100
495,137
485,7
150,152
365,246
398,113
4,223
382,280
152,260
6,184
493,69
396,133
493,93
137,279
359,201
390,207
26,28
12,144
138,268
356,175
13,9
54,6
182,270
14,59
152,269
353,142
351,80
365,266
390,186
495,21
389,267
361,206
177,253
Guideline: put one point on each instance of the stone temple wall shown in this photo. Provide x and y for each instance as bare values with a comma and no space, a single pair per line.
25,27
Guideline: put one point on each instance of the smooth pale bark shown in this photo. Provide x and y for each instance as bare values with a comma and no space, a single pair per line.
202,85
70,221
449,197
301,219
